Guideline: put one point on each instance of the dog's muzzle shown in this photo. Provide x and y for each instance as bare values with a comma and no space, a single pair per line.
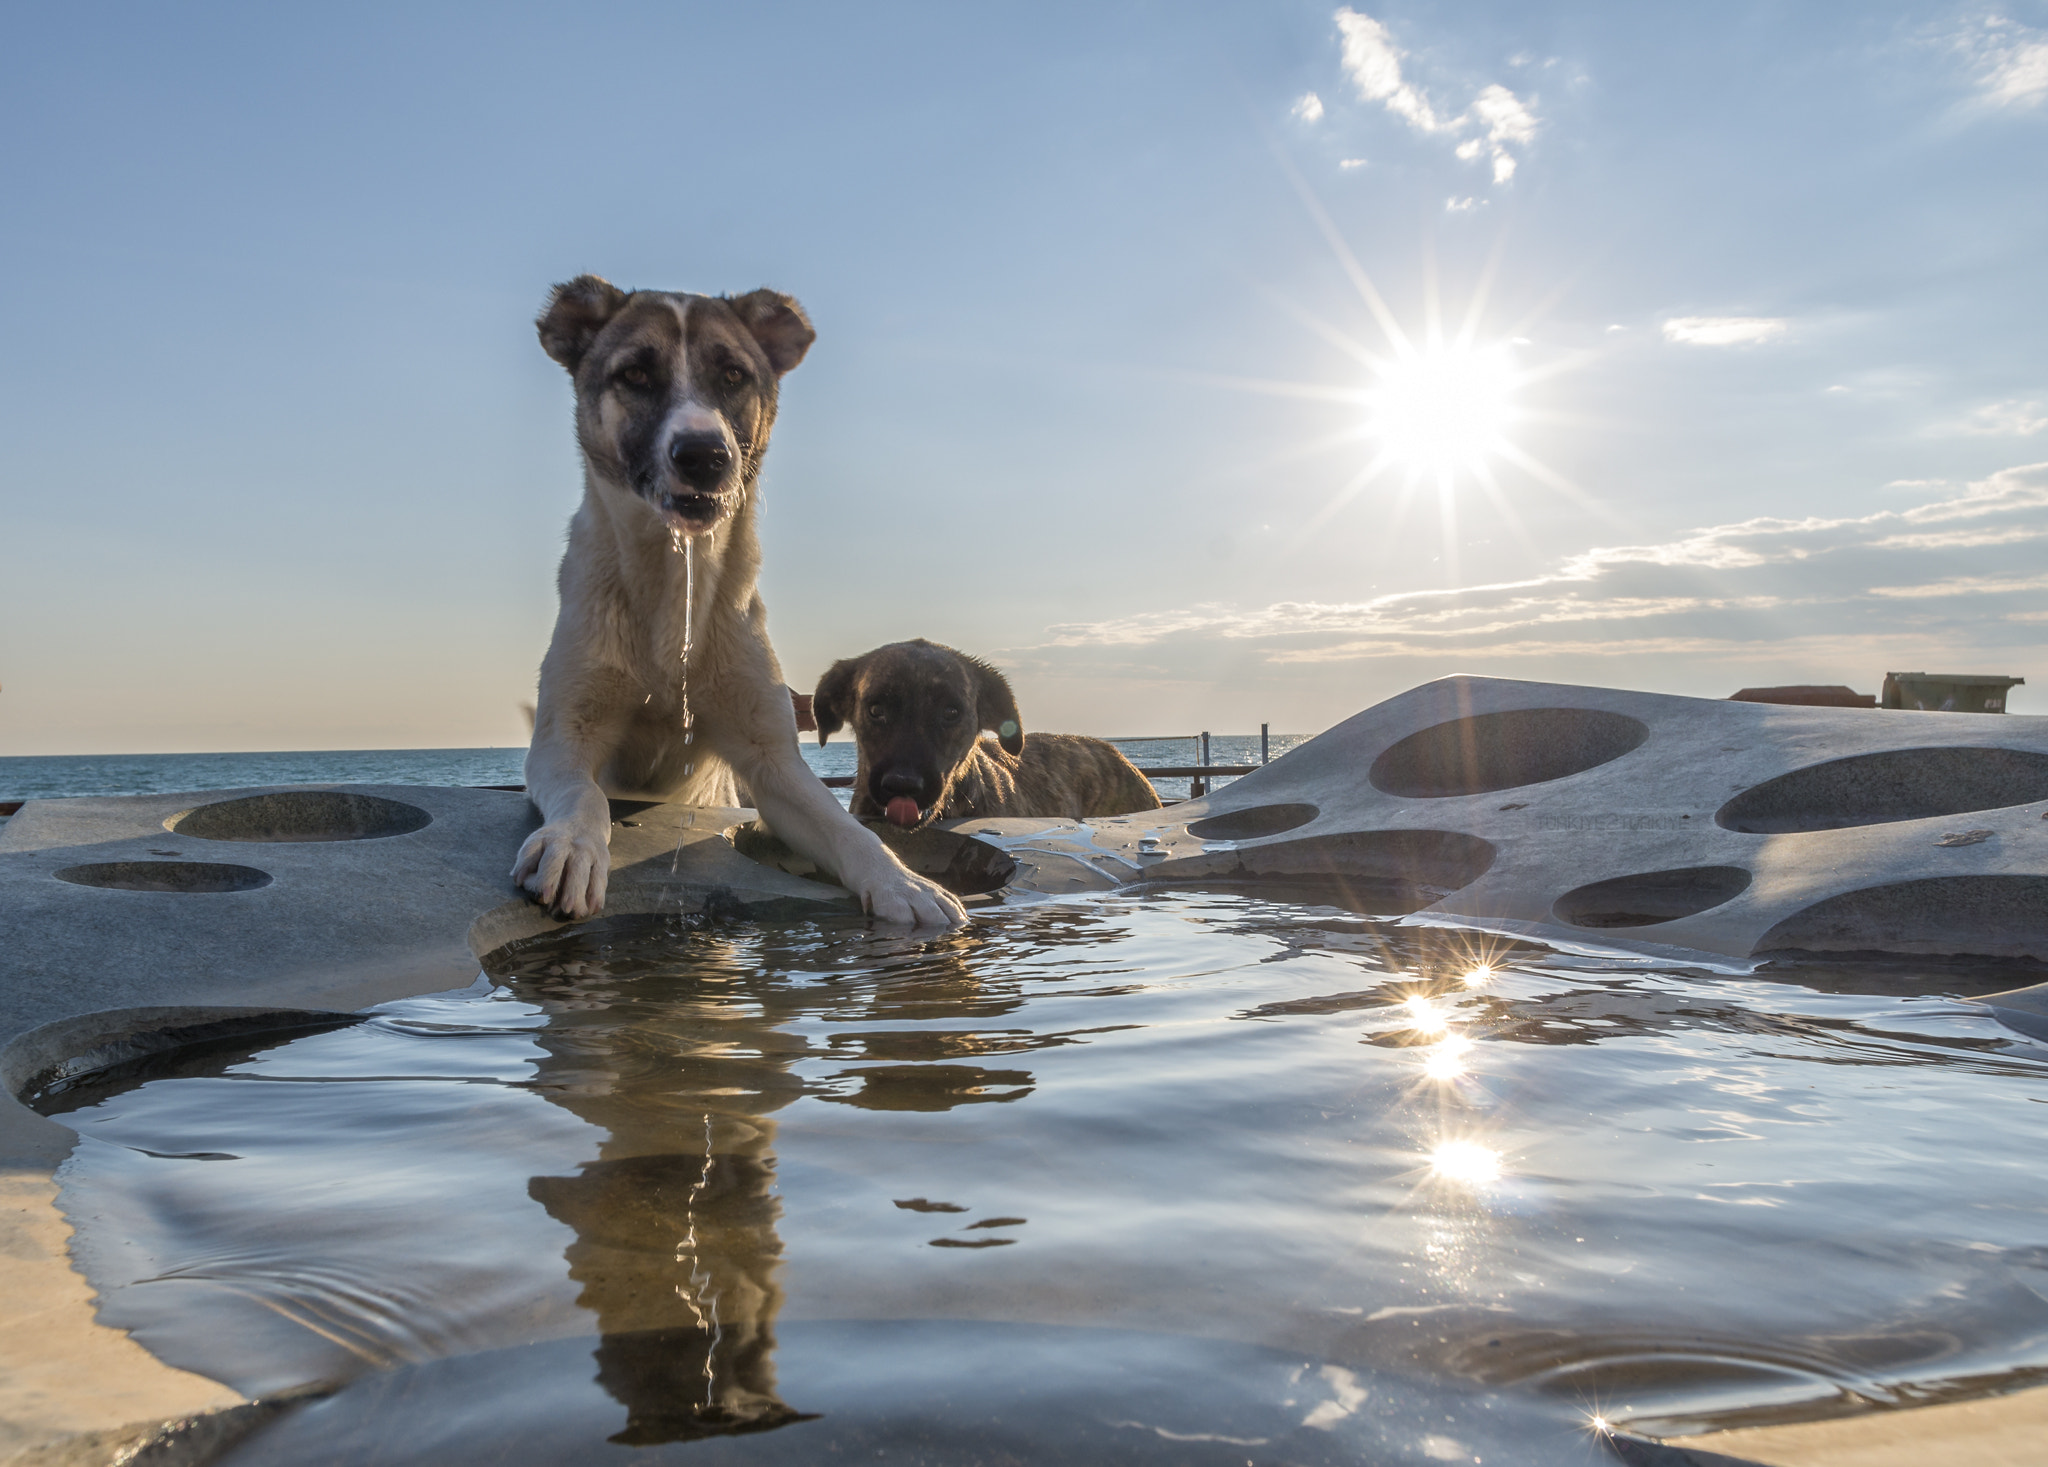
700,465
902,798
693,512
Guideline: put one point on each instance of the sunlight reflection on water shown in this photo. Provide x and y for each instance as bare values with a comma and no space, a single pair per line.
1199,1116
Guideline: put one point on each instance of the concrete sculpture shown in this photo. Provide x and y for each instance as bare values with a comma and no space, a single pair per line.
1726,828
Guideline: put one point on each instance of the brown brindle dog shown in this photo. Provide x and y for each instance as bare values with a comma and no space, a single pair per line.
917,710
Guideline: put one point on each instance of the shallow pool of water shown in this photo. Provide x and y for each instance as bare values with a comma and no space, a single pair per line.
1180,1177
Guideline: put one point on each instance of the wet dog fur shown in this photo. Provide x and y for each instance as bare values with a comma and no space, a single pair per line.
917,711
675,399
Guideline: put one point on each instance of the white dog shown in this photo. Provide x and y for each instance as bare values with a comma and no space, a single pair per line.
675,397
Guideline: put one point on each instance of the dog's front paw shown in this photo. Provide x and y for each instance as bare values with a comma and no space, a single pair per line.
565,870
908,900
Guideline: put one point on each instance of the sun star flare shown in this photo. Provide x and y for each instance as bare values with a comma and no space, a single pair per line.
1443,408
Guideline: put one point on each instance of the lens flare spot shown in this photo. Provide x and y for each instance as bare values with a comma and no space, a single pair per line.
1479,977
1446,1061
1467,1162
1426,1016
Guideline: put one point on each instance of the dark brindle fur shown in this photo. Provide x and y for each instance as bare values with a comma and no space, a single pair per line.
917,710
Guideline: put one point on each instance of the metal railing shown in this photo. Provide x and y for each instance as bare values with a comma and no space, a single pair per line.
1200,774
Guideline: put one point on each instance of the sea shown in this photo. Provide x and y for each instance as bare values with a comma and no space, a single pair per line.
56,776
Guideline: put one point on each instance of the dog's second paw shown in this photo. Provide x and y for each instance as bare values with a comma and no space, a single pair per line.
908,900
565,870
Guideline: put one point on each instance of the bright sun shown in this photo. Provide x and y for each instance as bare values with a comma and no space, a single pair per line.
1438,411
1442,409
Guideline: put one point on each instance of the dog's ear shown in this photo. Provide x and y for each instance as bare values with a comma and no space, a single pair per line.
996,706
832,703
778,323
577,310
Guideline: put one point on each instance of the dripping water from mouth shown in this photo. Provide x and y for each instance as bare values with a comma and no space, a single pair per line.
687,545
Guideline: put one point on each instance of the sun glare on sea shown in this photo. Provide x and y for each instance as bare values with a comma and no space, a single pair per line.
1446,1061
1467,1162
1426,1016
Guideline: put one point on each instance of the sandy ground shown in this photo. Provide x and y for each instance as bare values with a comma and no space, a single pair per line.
2004,1431
60,1373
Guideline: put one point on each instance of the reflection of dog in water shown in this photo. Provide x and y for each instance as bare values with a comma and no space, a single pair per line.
675,1043
689,1323
918,710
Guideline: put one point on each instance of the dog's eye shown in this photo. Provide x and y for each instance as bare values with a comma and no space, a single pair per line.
950,716
877,713
635,377
734,376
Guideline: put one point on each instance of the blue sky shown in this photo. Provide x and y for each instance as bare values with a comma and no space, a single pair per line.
282,466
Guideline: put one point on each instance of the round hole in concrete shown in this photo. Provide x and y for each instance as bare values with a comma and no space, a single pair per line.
1501,751
301,815
74,1062
959,863
1379,871
183,876
1650,897
1254,823
1897,784
1988,916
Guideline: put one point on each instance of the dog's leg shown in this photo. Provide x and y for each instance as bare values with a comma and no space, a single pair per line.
565,864
803,813
759,742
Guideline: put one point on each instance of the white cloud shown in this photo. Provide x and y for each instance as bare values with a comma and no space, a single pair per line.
1349,163
1526,647
1461,206
1767,591
2012,418
1961,539
1309,108
1724,330
1966,586
1508,120
2010,61
2025,487
1373,62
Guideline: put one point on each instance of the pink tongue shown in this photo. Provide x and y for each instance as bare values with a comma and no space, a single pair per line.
902,811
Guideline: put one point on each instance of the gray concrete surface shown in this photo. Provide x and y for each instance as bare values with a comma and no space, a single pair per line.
341,922
1635,819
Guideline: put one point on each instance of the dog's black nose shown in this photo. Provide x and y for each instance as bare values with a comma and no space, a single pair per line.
700,459
899,783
